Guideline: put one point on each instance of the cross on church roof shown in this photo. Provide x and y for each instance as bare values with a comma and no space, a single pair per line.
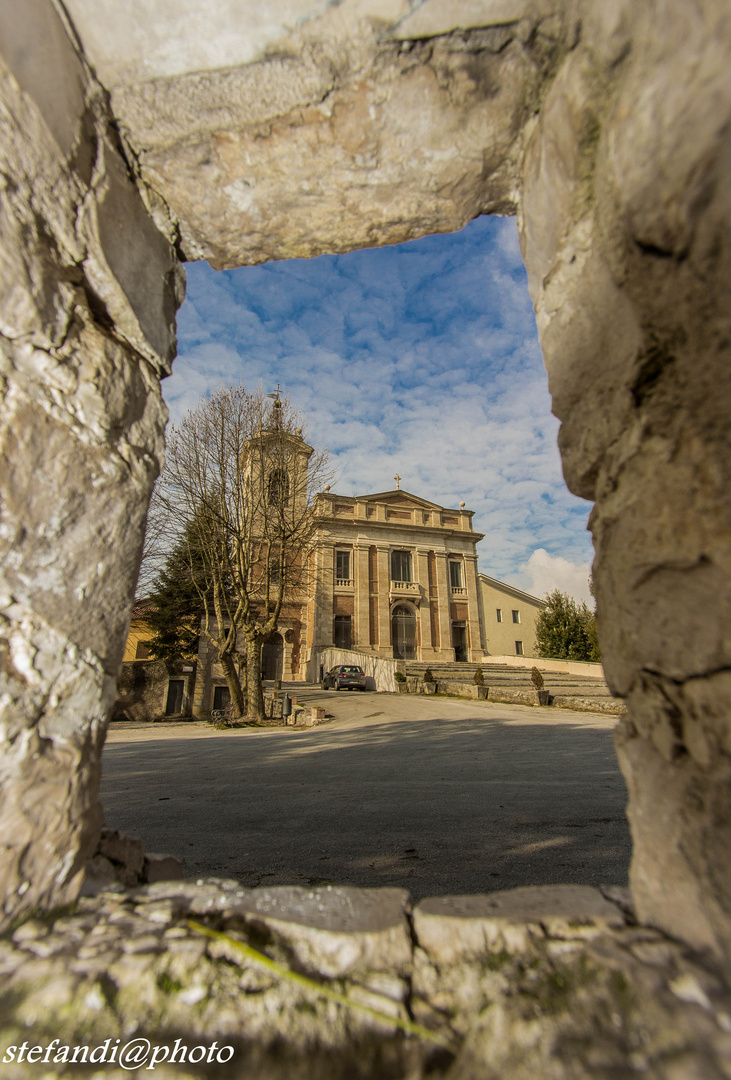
397,478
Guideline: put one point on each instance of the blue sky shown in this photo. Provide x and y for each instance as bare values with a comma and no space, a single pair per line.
420,359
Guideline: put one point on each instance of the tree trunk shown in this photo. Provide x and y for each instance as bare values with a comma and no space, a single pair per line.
255,698
234,684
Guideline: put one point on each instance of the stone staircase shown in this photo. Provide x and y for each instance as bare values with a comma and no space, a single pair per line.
580,692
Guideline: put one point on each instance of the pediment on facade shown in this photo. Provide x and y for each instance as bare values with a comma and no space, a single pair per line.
399,498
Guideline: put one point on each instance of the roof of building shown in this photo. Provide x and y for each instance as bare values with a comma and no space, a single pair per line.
518,593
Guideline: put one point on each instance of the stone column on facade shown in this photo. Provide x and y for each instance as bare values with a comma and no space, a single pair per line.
89,290
422,578
361,624
473,606
628,267
446,652
384,604
203,675
322,618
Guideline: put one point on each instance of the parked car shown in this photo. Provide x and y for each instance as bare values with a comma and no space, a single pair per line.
345,677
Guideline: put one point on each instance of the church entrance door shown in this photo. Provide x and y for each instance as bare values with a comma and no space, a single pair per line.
459,642
403,625
272,657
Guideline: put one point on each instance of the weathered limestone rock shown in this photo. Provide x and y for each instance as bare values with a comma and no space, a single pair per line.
357,124
625,229
581,994
450,928
88,291
336,931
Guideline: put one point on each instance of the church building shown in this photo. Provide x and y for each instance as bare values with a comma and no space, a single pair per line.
389,575
396,576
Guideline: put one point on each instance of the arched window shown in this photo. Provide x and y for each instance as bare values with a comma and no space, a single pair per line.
403,626
278,488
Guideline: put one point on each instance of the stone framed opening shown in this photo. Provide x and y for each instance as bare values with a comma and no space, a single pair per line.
272,657
404,631
577,120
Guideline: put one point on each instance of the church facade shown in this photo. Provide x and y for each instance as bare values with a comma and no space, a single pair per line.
395,575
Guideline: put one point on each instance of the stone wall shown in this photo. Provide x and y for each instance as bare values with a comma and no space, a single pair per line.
142,690
606,126
624,222
88,292
356,984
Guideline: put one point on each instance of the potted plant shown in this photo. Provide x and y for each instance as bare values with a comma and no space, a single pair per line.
481,691
537,679
401,684
430,684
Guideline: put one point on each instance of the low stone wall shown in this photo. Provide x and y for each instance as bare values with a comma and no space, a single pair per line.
380,671
142,690
558,667
332,983
508,696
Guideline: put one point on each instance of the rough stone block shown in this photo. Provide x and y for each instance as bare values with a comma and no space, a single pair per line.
451,928
161,867
336,931
126,850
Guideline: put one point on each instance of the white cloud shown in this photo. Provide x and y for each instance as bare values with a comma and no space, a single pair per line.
548,572
420,359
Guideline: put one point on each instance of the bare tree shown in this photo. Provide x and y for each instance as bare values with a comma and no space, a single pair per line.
237,488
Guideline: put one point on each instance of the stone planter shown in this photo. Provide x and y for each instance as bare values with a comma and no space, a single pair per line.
543,697
402,688
429,687
482,692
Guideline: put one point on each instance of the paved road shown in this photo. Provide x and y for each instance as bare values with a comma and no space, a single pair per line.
437,796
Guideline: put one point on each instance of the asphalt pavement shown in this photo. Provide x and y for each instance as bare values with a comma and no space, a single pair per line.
438,796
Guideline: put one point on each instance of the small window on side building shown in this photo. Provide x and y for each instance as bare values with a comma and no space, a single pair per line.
499,614
142,651
516,616
519,648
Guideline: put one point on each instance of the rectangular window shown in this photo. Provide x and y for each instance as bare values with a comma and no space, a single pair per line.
342,638
455,575
342,566
174,702
400,566
499,613
142,652
516,616
519,648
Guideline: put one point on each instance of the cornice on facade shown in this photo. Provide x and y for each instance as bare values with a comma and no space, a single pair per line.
396,509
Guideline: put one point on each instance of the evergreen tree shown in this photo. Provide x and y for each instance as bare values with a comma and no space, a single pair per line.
177,606
566,630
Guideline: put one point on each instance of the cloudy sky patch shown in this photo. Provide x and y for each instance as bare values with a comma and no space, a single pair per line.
420,359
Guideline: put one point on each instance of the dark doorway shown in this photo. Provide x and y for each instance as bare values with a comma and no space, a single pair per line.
221,697
272,657
403,624
459,641
342,632
174,703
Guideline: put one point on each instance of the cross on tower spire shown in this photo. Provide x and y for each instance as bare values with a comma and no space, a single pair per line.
397,478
